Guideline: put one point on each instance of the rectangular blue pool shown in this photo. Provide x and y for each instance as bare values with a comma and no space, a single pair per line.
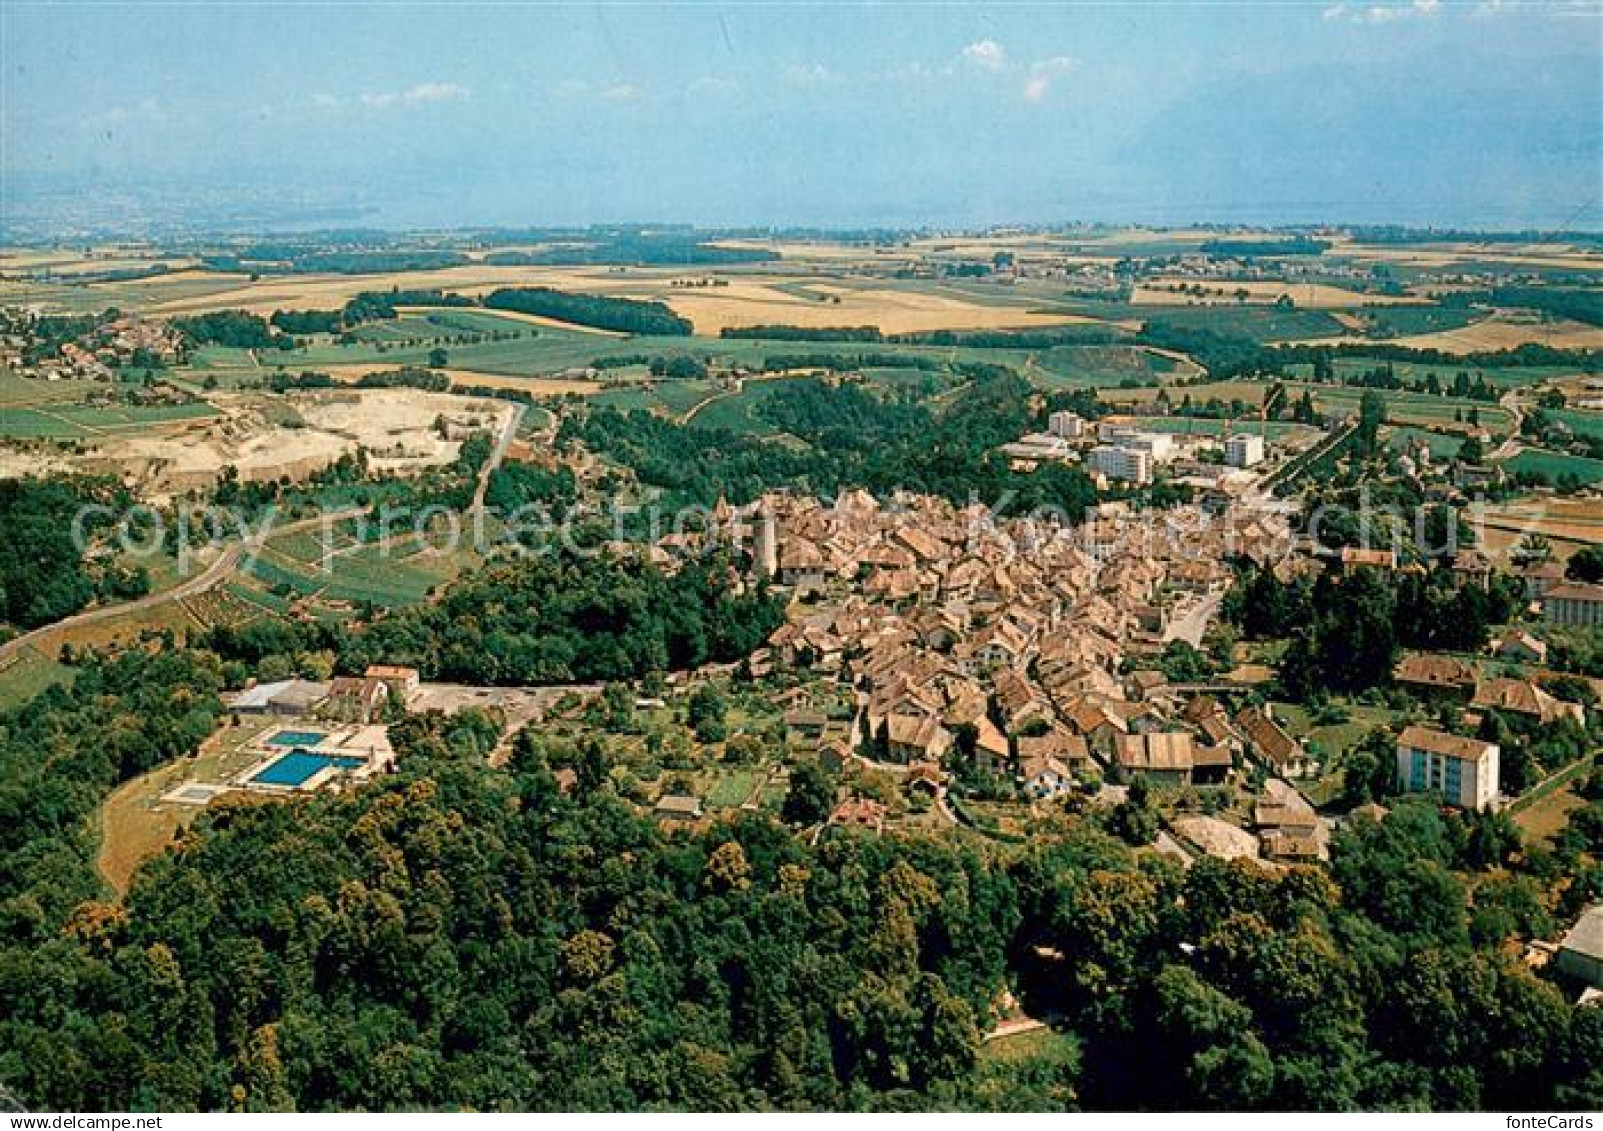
299,766
297,738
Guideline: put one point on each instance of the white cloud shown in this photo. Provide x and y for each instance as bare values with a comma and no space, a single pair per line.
713,86
815,75
1382,13
146,110
1042,72
987,53
423,92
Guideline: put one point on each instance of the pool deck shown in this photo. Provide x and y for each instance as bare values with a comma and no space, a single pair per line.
369,743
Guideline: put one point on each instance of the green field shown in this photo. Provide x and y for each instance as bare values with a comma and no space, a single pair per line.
1408,408
1500,376
1582,422
738,412
70,422
29,424
675,398
1206,426
1073,367
1555,465
1442,445
27,675
731,791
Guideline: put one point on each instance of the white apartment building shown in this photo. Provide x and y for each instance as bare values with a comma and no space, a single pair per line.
1463,770
1244,450
1066,425
1131,465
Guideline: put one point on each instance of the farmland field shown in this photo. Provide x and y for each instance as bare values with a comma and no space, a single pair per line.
28,674
1443,445
1409,408
1579,421
1555,465
30,423
1207,426
737,412
671,397
1065,367
1503,377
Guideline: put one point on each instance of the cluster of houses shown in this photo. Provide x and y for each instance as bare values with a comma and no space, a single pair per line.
93,356
1025,651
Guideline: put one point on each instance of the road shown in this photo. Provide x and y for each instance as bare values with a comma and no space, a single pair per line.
209,578
497,455
1510,447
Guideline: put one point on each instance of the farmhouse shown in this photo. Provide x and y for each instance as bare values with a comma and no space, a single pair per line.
402,682
1270,744
912,737
1164,758
1431,675
677,808
356,698
860,813
1522,647
1521,697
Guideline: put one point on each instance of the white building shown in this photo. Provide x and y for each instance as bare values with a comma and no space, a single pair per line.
1244,450
1580,955
1131,465
1463,770
1065,424
1159,445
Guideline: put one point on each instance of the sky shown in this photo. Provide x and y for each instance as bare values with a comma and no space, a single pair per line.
1477,114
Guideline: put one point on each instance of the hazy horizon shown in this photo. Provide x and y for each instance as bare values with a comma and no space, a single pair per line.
1480,115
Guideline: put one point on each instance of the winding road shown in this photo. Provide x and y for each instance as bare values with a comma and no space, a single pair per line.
227,564
212,576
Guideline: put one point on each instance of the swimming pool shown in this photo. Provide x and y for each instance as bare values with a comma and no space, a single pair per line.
297,738
299,766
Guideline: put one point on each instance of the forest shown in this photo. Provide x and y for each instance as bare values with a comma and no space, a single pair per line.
552,616
604,312
43,574
852,439
457,936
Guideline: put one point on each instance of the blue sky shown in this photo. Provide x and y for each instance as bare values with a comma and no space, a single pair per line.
896,114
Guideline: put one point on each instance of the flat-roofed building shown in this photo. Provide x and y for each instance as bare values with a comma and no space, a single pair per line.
1129,465
1580,955
1573,603
1463,770
1245,449
1066,424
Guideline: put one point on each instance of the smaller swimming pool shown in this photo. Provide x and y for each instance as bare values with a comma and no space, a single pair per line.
298,767
297,738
